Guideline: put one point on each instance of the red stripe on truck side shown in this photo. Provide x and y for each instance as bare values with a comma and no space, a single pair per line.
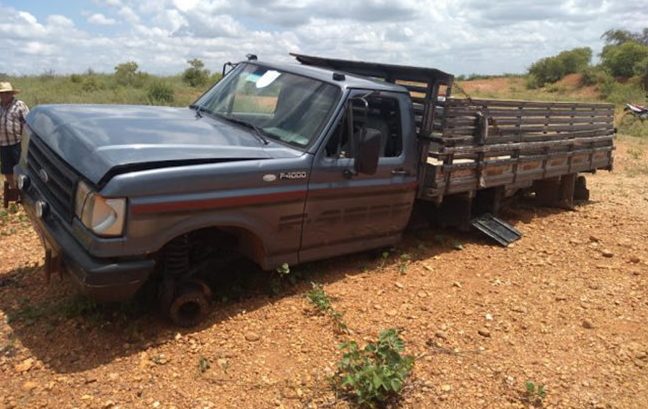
218,203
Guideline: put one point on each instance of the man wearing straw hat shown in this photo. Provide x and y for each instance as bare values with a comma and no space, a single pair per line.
12,122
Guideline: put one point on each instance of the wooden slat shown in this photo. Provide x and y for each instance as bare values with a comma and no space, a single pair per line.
527,145
528,129
523,159
459,141
528,112
468,121
493,103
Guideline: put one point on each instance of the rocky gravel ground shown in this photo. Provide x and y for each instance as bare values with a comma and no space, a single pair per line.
565,307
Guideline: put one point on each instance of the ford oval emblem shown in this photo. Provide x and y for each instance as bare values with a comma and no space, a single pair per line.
269,177
43,175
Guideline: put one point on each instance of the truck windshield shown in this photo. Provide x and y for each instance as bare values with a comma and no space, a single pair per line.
283,106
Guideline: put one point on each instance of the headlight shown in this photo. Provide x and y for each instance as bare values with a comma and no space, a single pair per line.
104,216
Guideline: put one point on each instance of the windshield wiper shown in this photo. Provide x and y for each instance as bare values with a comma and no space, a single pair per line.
257,131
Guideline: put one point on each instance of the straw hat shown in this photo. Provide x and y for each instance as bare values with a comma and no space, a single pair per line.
6,87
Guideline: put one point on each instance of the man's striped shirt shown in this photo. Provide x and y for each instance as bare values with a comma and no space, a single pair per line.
12,122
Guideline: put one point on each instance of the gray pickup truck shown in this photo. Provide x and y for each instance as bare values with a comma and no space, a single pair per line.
285,163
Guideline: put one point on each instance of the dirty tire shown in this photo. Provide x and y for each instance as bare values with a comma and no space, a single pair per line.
190,305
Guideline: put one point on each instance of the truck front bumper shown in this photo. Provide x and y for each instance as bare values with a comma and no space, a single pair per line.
103,279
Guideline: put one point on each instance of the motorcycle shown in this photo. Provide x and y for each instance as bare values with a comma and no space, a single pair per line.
638,111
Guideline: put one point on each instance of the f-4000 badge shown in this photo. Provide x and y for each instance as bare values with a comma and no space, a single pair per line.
293,175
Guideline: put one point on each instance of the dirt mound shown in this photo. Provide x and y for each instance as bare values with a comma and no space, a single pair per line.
571,80
489,85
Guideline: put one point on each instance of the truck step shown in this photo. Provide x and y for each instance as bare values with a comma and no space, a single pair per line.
496,229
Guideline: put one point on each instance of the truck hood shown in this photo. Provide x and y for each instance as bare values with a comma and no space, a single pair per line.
101,140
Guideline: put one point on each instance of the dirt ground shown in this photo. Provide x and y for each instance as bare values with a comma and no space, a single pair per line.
566,307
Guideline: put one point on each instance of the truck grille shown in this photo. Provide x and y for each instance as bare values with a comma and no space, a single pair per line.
55,179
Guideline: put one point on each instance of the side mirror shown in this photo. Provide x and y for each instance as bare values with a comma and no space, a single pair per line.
368,151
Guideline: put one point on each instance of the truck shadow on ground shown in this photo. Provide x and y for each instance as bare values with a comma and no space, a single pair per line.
69,333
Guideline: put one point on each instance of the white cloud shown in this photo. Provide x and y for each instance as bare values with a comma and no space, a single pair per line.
129,14
100,19
460,36
57,20
38,48
185,5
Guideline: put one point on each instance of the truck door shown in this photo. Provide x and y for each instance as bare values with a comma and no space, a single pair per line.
348,212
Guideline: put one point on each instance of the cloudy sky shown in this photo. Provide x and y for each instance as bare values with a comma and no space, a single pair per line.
459,36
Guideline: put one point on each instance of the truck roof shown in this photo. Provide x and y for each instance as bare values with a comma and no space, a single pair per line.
326,75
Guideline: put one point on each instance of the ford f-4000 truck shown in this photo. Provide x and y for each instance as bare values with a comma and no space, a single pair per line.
285,163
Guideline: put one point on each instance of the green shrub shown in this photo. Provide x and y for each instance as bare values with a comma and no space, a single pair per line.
160,93
91,84
591,76
532,82
622,93
632,126
126,73
552,69
376,374
76,78
318,297
641,69
620,60
575,60
196,75
556,89
533,394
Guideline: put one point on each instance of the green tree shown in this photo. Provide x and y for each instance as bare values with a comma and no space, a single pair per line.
618,37
196,75
126,73
575,60
620,60
641,69
551,69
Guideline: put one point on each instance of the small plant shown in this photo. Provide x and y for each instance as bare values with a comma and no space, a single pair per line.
534,394
384,257
203,364
376,374
78,306
160,93
283,270
284,274
27,313
90,84
404,262
318,297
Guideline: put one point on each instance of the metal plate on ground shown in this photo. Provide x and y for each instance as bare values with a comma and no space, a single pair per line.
496,229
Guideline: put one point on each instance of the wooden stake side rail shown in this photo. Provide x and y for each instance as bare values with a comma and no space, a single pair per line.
482,143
